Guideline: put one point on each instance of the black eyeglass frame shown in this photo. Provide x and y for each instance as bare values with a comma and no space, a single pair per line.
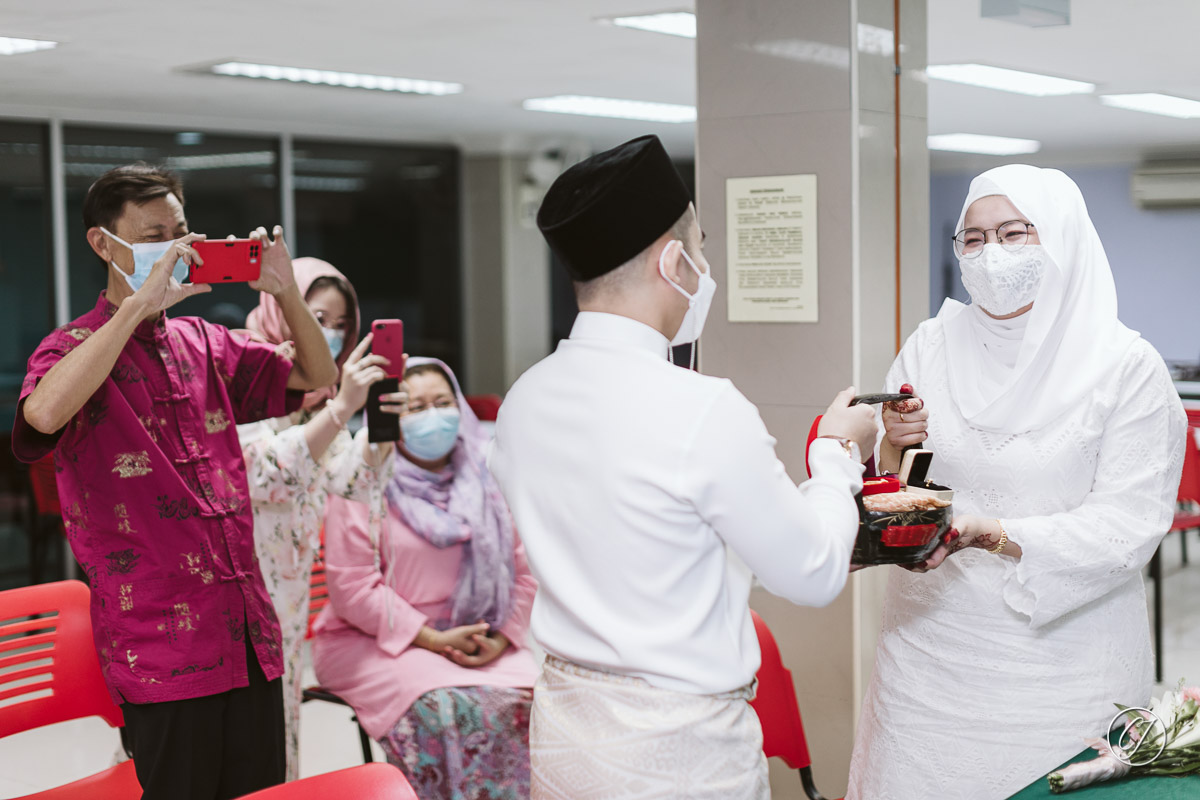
960,246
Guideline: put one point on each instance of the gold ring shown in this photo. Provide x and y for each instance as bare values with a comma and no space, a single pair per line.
902,418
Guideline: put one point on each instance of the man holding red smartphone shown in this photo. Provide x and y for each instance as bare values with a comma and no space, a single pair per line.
138,410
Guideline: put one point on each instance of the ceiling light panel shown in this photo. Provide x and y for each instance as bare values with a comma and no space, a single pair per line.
985,145
1007,80
325,77
10,46
674,23
612,107
1154,103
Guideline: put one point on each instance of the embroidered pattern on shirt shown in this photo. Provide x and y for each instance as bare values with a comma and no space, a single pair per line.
123,524
75,518
97,412
127,373
78,334
132,465
215,421
125,593
121,562
197,564
179,509
193,668
176,617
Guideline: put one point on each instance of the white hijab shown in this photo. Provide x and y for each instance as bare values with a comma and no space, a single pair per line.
1072,338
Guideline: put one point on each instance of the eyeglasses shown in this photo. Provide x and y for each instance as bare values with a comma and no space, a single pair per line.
417,408
1012,235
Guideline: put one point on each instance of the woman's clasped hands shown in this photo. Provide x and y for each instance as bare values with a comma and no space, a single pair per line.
465,645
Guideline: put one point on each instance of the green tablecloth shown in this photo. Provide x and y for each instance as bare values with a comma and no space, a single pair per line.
1149,788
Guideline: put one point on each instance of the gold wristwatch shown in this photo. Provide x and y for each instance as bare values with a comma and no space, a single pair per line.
849,445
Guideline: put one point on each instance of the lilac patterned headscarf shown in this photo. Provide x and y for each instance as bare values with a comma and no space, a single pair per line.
462,505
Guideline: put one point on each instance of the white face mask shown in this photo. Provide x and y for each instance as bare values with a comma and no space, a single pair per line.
145,256
1002,282
698,303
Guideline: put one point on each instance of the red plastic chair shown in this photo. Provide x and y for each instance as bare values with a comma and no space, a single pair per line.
1187,517
365,782
778,711
318,598
485,406
46,525
49,673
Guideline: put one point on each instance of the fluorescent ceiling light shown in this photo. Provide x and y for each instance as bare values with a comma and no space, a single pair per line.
611,107
987,145
1154,103
1007,80
322,183
675,23
254,158
324,77
10,46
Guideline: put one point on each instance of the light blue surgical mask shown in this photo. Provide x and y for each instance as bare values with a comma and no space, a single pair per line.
336,341
430,434
145,256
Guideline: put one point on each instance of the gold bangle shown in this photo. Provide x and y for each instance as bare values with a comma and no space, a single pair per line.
1000,545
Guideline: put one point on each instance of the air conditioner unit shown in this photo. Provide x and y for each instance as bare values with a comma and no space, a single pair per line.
1165,185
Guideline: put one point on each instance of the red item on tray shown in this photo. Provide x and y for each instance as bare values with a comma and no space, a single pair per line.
907,535
881,484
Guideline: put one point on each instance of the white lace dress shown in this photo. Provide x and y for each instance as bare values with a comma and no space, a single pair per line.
288,490
991,671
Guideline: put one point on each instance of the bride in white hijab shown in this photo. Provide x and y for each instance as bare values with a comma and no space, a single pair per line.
1063,436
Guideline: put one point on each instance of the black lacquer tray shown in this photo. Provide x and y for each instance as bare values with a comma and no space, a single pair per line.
898,537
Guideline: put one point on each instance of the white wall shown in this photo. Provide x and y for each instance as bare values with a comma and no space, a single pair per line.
1155,255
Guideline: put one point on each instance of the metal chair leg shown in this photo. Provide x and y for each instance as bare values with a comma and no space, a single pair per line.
810,788
1157,576
365,741
1183,546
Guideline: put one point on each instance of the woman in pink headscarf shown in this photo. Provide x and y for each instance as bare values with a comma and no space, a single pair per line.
295,462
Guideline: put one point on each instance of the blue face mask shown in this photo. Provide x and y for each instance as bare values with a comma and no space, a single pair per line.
430,434
145,255
336,341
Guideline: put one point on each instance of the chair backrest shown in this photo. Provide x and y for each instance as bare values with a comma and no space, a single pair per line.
48,667
373,781
1189,481
44,482
318,589
778,711
485,406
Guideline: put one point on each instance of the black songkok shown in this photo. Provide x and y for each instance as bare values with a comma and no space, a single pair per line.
608,208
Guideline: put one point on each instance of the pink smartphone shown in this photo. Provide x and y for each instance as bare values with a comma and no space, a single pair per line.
388,342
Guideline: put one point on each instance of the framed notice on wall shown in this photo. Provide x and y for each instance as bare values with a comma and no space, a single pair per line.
771,223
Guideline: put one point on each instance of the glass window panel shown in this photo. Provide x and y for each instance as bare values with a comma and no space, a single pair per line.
26,264
230,185
388,217
27,308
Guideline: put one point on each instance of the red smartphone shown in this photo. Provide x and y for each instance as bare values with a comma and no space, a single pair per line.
388,341
227,261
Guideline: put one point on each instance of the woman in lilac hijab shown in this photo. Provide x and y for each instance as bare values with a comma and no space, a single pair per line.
430,599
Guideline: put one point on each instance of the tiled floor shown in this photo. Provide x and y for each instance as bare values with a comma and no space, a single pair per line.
329,740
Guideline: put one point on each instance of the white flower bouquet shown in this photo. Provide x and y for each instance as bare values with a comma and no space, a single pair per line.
1161,740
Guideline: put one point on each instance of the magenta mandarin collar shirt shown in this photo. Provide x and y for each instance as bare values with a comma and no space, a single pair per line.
155,502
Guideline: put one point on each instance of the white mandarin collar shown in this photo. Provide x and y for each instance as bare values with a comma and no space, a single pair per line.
615,328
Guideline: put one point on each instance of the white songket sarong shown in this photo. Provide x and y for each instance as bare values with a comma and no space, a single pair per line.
600,735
